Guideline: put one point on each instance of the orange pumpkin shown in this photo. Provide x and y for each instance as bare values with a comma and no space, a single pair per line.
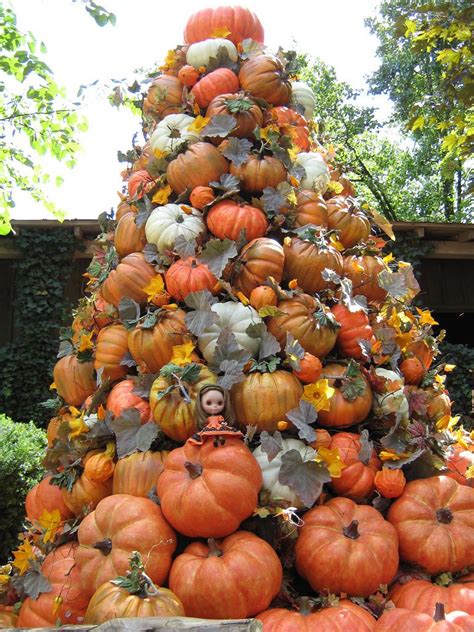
119,525
74,380
138,473
243,570
86,494
200,164
346,407
390,483
139,183
59,568
123,208
257,173
357,478
128,279
345,217
45,496
259,259
220,81
201,197
412,370
263,77
112,345
422,595
419,349
153,348
291,124
188,275
165,96
261,296
246,113
429,516
335,544
305,261
411,621
310,368
310,209
122,397
362,271
188,75
458,461
354,327
55,424
99,465
240,22
299,320
8,618
207,491
228,218
439,405
128,236
323,439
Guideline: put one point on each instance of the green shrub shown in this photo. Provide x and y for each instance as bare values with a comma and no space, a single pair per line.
21,453
460,382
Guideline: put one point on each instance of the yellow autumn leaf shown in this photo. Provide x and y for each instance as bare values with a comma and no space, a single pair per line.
171,306
162,195
291,197
388,258
357,267
425,317
265,131
242,298
78,426
440,379
382,223
5,573
318,394
469,473
23,556
449,367
52,386
446,422
335,187
391,455
154,287
220,31
261,512
198,124
182,354
410,26
85,342
332,460
293,152
170,59
418,123
461,439
50,522
335,243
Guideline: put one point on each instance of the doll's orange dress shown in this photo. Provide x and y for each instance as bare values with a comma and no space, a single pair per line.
215,428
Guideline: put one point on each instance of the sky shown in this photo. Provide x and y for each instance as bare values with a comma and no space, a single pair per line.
79,52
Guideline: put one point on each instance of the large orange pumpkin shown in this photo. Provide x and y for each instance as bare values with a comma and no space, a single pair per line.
207,491
263,76
128,279
228,579
259,259
434,519
199,165
348,406
257,173
165,96
45,496
74,380
305,261
422,595
355,326
128,236
345,217
362,271
300,321
344,547
119,525
86,494
228,218
412,621
240,22
188,275
59,568
152,348
246,112
217,82
137,473
357,478
310,209
278,392
122,397
112,346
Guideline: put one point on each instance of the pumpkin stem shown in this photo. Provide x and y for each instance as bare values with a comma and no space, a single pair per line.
104,546
214,550
439,614
352,531
305,606
444,515
194,469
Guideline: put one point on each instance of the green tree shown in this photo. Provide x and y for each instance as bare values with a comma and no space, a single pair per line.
426,70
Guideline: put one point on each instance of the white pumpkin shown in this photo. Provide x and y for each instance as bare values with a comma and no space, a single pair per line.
281,494
301,94
317,175
199,54
167,222
392,401
172,132
237,318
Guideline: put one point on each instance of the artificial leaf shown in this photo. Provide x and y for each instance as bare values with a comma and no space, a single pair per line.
394,283
50,522
66,348
144,211
294,352
273,201
353,388
318,394
220,126
267,365
202,317
403,459
232,373
353,303
150,320
366,447
143,384
237,150
185,248
125,428
128,360
272,444
35,583
220,60
302,417
331,276
182,354
270,310
217,254
151,253
23,557
332,460
227,348
190,372
227,183
305,478
146,435
382,223
269,346
129,312
249,433
154,287
250,48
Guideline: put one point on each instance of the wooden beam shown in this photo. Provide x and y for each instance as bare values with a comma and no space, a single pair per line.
465,235
451,250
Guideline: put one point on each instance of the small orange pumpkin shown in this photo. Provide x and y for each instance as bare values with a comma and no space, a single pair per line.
201,196
310,368
390,483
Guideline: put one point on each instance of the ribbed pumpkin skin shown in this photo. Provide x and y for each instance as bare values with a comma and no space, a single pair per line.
215,502
74,380
131,524
427,537
244,579
357,479
176,418
247,119
227,219
305,262
113,602
342,412
199,165
259,259
60,570
152,348
352,224
422,596
112,345
299,321
458,461
86,494
165,96
137,473
8,618
128,236
331,561
355,326
400,619
363,271
346,617
129,279
311,209
390,483
263,399
257,173
263,77
188,275
122,397
217,82
45,496
241,22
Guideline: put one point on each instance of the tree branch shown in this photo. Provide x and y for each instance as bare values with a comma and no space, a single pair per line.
8,118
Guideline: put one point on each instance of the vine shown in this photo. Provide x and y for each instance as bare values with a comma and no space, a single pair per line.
40,309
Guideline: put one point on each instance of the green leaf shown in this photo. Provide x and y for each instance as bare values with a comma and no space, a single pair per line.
353,388
129,312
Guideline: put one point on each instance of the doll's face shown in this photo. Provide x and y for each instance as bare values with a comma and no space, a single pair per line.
212,402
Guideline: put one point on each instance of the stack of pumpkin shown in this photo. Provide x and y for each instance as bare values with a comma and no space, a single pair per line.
241,257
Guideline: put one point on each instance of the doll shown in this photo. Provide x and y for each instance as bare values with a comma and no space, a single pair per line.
214,416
